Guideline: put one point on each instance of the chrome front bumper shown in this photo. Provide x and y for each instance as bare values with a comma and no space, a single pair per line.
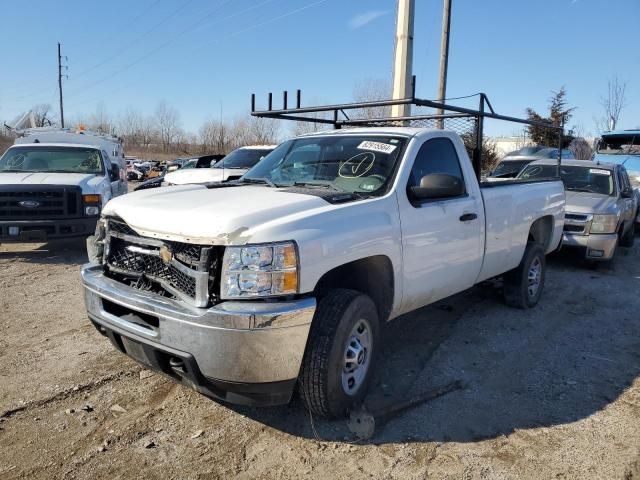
239,342
594,243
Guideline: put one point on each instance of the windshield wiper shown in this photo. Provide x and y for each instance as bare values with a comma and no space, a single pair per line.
259,180
16,171
575,189
321,185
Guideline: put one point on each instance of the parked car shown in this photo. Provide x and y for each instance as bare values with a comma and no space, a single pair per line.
515,161
231,167
55,182
622,147
154,182
601,205
246,289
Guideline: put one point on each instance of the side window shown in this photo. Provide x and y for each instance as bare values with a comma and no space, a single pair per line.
621,182
625,178
435,156
107,162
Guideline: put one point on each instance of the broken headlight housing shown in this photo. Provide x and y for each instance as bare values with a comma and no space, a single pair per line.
255,271
604,223
95,243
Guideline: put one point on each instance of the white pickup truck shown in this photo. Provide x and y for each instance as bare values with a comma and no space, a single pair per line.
247,289
54,183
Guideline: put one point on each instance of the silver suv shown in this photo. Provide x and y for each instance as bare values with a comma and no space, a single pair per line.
601,205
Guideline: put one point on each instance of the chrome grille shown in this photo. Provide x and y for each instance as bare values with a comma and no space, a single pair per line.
185,274
577,223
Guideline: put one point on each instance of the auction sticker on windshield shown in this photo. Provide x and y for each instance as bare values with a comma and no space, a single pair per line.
376,147
599,171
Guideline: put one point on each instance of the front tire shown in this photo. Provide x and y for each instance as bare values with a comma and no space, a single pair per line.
524,284
337,365
629,238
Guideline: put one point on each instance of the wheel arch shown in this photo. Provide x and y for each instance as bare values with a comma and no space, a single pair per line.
541,232
372,276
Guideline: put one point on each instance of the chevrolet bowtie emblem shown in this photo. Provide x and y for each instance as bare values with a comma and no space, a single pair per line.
166,254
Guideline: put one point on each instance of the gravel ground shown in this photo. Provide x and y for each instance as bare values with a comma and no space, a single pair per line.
552,392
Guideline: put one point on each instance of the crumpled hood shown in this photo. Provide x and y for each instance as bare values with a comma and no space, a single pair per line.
87,182
202,175
217,216
584,202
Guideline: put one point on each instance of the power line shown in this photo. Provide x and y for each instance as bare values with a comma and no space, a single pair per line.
29,86
219,39
190,28
138,39
136,18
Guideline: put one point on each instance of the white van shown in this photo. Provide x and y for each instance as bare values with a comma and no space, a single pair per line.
55,182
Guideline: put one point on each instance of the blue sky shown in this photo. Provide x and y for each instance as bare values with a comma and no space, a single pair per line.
203,56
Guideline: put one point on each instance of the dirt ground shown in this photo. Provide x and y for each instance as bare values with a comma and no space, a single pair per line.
552,392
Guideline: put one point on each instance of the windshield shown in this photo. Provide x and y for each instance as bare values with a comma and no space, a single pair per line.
553,153
190,164
505,169
525,151
348,163
621,144
243,158
575,178
52,159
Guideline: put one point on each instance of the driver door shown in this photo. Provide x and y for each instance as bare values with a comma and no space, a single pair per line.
442,239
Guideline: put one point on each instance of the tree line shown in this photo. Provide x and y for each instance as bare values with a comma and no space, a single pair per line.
161,134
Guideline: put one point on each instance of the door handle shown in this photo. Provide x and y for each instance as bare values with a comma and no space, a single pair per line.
468,217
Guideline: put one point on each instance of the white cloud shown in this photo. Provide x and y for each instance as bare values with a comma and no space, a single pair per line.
364,18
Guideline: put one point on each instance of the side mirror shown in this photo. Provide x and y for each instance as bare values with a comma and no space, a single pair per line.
114,173
437,185
627,193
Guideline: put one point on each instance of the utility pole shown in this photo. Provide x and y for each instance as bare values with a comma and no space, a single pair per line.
60,86
403,58
444,56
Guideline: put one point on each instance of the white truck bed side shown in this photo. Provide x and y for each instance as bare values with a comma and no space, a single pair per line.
509,212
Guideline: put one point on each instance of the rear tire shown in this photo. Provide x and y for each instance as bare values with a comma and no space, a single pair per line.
524,284
342,345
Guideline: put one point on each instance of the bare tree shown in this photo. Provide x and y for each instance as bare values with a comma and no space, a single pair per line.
100,121
370,90
579,145
43,115
168,121
214,137
612,104
148,133
255,131
129,126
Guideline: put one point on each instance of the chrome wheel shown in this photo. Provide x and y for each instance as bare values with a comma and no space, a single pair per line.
357,357
534,277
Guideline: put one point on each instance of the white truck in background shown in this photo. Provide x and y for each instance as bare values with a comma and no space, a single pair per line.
245,289
54,183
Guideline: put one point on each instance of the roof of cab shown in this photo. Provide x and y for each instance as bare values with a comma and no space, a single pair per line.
66,145
621,132
576,163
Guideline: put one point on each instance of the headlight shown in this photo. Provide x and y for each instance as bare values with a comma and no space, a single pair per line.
604,224
259,271
92,204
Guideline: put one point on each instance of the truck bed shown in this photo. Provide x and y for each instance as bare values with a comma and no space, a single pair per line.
510,208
